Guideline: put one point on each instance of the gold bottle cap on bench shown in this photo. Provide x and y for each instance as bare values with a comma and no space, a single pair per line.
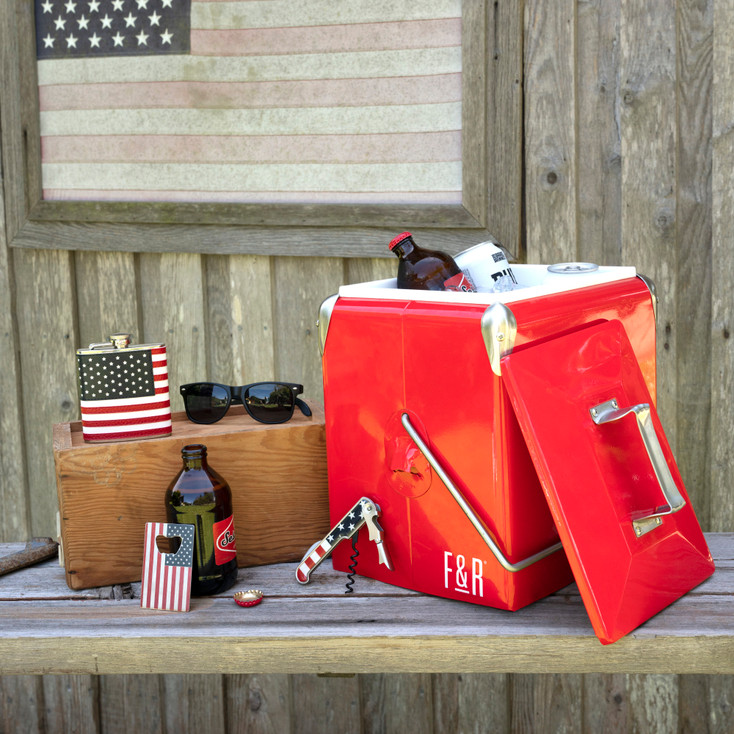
248,598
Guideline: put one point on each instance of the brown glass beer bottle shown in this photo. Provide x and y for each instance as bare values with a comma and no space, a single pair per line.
201,497
428,270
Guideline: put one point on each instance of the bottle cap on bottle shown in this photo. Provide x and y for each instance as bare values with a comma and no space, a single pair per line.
397,240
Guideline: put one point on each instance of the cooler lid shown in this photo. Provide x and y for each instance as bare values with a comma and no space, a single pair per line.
611,481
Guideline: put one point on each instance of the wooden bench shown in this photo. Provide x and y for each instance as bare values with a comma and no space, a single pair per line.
47,628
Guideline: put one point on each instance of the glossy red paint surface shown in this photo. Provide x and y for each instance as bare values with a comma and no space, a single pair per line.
385,357
598,478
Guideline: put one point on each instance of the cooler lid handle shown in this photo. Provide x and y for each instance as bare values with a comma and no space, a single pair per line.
610,411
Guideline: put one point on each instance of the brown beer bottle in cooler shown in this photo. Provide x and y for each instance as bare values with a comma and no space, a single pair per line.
428,270
201,497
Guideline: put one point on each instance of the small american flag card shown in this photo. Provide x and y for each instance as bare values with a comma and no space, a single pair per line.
167,576
124,391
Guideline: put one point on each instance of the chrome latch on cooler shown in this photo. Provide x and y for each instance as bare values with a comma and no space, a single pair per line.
499,328
325,311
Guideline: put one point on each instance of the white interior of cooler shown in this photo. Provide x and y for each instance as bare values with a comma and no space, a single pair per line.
533,281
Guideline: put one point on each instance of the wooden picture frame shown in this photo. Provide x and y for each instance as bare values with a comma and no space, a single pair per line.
343,230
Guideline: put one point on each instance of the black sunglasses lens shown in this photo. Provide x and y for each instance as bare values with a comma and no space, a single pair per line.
206,403
270,402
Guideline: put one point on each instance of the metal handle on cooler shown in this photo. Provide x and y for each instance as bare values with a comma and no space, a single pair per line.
468,511
610,411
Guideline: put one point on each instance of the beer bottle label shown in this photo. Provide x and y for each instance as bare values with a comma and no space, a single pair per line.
459,282
224,541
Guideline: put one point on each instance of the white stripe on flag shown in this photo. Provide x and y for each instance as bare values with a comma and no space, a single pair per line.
123,402
285,13
246,177
94,430
395,63
129,415
391,119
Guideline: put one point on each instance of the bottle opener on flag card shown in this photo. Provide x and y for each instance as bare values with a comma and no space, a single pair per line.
167,576
123,390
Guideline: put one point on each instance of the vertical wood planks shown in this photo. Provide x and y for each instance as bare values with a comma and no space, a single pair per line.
653,703
474,106
605,704
398,703
21,699
173,298
300,286
551,233
363,270
15,523
550,131
259,704
325,703
240,326
194,703
131,703
471,702
647,119
722,257
107,296
693,272
599,166
17,81
504,126
45,311
548,702
70,703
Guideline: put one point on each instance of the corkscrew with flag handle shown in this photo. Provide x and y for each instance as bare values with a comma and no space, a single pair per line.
364,512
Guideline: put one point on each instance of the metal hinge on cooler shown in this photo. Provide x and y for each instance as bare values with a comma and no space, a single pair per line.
325,311
499,329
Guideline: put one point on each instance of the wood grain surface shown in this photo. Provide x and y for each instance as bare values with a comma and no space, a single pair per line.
381,628
108,491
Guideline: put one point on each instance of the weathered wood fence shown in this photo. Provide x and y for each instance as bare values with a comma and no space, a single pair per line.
609,139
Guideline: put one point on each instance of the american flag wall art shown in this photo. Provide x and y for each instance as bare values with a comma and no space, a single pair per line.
255,101
124,392
167,576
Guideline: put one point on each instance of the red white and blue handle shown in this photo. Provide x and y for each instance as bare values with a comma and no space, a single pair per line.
364,511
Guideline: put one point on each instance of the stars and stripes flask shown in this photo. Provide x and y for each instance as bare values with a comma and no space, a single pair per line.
199,496
123,390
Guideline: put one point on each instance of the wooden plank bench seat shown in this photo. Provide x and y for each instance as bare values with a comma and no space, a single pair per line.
47,628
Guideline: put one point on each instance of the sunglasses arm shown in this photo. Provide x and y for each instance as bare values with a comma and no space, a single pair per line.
303,406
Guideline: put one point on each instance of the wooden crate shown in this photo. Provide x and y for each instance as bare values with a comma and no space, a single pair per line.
108,491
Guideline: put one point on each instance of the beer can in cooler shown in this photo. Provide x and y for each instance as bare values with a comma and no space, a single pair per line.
487,267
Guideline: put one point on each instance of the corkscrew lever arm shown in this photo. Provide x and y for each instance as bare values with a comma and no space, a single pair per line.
370,514
365,511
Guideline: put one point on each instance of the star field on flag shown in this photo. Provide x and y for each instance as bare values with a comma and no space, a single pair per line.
78,28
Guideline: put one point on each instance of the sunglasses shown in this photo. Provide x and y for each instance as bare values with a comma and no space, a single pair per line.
266,402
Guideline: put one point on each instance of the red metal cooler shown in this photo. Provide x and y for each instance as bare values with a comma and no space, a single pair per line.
511,442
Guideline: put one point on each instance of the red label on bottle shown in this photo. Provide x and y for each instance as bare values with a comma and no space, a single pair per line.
459,282
224,545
